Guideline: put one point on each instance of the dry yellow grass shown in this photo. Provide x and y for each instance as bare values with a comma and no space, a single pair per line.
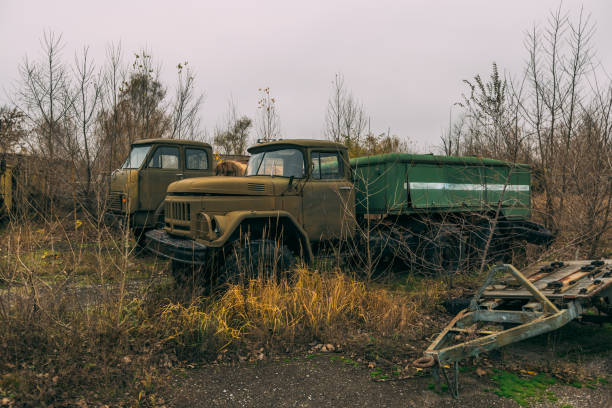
69,326
312,305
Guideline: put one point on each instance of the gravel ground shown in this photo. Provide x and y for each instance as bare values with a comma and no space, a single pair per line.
575,352
313,383
323,383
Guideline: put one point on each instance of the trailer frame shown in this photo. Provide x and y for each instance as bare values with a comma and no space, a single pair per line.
549,297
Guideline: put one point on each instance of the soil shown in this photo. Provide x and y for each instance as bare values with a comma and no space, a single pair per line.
322,382
574,355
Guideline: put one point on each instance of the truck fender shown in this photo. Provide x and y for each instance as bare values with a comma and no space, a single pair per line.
232,221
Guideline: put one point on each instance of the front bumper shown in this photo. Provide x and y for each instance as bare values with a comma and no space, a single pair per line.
179,249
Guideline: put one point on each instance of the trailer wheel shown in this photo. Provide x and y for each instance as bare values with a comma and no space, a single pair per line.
604,304
260,258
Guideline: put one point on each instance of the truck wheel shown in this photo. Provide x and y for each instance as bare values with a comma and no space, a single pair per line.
441,250
381,247
477,244
257,259
139,237
187,275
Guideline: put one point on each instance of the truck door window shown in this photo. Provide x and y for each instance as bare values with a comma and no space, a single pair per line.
165,158
196,159
326,166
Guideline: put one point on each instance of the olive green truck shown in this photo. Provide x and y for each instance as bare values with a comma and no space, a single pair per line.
138,187
300,196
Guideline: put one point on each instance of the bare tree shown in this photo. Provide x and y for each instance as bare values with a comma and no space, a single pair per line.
186,106
552,120
12,131
558,59
589,179
233,136
133,110
86,106
346,121
268,123
452,141
108,120
142,98
44,96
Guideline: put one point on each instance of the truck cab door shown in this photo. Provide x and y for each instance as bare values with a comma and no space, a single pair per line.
198,162
328,197
164,166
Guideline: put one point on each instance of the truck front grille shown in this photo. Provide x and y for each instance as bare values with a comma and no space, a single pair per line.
114,201
179,211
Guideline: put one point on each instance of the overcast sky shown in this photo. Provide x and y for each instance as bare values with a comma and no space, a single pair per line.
404,60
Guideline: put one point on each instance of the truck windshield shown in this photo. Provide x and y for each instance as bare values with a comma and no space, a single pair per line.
136,157
281,163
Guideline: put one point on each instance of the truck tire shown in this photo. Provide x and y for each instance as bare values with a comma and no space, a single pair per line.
192,276
385,248
441,250
259,258
181,272
139,238
499,248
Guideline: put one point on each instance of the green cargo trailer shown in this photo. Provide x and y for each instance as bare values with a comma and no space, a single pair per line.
445,206
400,184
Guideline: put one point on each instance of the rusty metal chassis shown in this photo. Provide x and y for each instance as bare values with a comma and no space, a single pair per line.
529,324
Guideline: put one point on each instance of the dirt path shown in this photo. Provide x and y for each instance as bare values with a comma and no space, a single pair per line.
321,382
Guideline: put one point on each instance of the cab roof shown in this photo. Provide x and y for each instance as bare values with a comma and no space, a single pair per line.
304,143
170,141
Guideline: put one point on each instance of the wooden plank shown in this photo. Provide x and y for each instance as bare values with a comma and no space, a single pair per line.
572,293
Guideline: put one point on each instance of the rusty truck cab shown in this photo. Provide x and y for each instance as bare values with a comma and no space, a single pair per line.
138,187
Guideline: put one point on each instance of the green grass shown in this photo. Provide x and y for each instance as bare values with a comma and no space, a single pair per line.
344,360
443,388
590,384
523,390
576,384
